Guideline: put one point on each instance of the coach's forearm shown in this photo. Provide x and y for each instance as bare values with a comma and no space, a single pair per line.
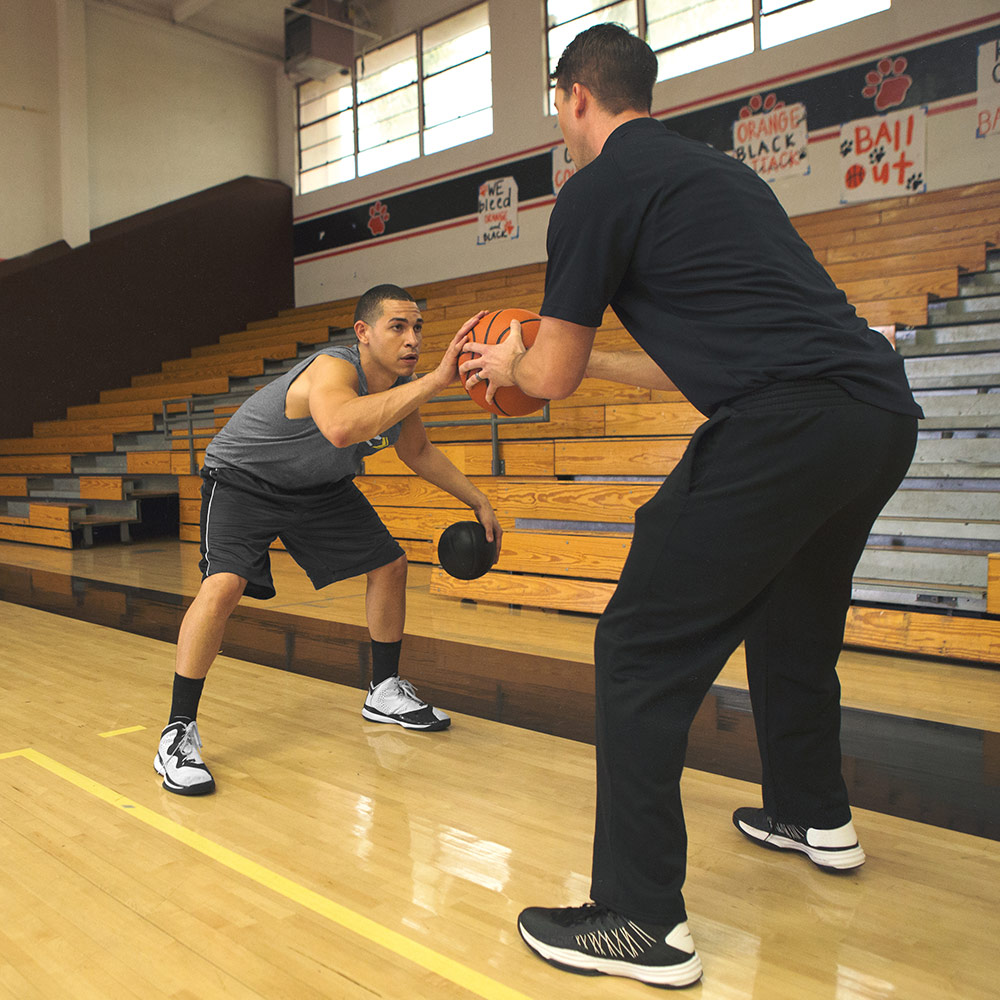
628,368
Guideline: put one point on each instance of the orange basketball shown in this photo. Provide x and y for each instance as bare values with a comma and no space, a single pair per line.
492,329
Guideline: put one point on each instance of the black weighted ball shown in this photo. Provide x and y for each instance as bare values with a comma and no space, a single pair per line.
463,550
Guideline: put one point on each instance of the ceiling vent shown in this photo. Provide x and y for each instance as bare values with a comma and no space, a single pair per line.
319,41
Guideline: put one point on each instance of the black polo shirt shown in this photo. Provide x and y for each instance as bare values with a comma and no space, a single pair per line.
704,269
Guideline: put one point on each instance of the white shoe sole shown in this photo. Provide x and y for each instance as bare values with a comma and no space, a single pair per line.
373,715
682,974
839,858
201,788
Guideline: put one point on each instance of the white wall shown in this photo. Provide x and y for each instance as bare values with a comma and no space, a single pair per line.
29,128
520,124
170,114
104,114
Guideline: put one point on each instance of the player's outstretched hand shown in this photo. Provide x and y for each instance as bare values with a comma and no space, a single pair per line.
447,369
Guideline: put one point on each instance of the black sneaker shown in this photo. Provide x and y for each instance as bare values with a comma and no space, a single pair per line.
593,940
838,848
396,701
178,760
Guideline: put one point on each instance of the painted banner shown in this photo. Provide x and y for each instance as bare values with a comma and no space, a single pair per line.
988,90
773,143
884,156
497,211
563,167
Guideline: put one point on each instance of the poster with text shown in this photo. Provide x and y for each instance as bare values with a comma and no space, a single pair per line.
883,156
988,91
773,143
497,211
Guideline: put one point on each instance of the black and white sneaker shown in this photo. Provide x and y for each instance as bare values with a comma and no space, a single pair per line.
837,848
593,940
178,760
396,701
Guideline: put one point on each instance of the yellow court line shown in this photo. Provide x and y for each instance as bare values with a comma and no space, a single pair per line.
419,954
121,732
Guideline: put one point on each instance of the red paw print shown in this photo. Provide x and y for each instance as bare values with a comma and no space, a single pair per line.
887,83
378,216
756,104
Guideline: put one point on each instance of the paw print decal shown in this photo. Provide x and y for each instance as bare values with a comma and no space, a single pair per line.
887,83
847,147
378,216
877,155
757,104
915,182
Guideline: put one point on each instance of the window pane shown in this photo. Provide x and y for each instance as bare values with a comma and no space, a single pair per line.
388,68
561,11
387,118
797,22
770,6
456,39
674,21
326,152
321,177
625,13
707,52
388,155
457,92
459,130
325,104
339,127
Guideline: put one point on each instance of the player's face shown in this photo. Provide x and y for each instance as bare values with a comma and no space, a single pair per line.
395,338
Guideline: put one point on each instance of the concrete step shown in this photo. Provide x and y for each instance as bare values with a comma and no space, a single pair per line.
956,458
982,283
978,308
960,411
918,568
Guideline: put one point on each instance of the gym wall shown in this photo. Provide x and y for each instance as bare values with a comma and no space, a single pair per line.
431,229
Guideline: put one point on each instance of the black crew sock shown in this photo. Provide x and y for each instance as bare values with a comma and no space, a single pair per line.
187,694
385,660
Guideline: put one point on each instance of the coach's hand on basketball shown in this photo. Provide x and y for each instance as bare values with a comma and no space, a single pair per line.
495,363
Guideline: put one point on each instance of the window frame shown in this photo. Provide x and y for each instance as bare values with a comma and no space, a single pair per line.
642,31
356,105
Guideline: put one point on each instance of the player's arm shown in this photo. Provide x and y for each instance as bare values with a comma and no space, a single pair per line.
628,368
552,368
344,417
431,464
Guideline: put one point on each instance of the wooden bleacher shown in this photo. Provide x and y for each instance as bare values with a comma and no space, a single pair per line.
571,485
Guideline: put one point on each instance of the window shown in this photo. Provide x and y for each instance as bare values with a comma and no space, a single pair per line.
785,20
422,93
691,34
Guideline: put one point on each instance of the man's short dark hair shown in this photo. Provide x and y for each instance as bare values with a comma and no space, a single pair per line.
369,307
618,68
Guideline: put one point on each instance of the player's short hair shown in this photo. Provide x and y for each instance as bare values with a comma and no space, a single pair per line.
618,68
369,307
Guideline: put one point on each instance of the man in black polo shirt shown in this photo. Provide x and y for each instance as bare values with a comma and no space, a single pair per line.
755,535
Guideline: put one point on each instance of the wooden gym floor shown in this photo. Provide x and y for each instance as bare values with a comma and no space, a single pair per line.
341,858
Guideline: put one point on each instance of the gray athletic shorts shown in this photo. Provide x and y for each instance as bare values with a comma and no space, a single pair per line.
333,532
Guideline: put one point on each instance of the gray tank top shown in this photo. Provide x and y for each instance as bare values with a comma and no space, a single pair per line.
291,454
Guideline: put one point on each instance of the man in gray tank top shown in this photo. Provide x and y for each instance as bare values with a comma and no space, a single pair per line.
283,466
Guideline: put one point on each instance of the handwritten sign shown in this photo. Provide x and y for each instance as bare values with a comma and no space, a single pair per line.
884,156
988,90
497,211
563,167
773,143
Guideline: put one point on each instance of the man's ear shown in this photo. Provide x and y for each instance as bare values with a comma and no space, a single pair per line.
580,97
361,331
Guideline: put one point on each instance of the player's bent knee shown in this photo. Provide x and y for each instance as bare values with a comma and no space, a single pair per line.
222,590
